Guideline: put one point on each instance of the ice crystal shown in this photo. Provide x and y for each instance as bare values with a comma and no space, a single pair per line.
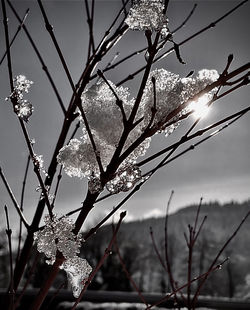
125,179
78,271
147,15
95,185
22,84
170,129
102,112
57,235
78,158
24,110
171,92
139,151
38,161
105,119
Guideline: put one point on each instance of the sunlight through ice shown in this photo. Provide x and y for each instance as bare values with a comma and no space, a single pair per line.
200,106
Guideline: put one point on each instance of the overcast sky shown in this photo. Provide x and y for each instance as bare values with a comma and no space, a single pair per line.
217,170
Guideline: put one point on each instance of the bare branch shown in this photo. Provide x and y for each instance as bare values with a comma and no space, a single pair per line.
169,51
106,254
128,275
206,274
185,20
218,256
44,67
49,28
15,203
11,292
119,102
16,34
21,207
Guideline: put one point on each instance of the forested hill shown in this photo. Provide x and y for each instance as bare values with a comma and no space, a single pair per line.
221,221
136,247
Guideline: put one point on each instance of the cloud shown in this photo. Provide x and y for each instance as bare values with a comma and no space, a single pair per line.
154,213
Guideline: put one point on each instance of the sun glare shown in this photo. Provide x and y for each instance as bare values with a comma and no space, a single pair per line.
200,107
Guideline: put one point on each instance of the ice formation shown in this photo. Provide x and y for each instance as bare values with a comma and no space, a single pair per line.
105,120
147,15
23,108
78,271
125,179
171,92
57,235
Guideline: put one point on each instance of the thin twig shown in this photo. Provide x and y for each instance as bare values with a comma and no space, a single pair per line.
105,255
169,51
124,7
21,208
24,130
190,244
44,67
59,176
49,28
55,294
185,20
190,137
157,251
23,127
168,296
192,147
194,300
16,34
167,259
90,21
172,146
11,292
119,102
7,44
94,229
91,138
31,272
15,203
127,273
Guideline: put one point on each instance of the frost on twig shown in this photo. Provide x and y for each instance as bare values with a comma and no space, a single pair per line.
124,180
23,108
57,235
78,271
148,15
106,122
172,91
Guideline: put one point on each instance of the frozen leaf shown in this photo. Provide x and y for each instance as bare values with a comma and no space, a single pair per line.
78,158
105,120
78,271
147,15
125,179
173,91
57,235
24,110
22,84
102,112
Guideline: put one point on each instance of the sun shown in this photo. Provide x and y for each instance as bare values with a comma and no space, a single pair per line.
200,107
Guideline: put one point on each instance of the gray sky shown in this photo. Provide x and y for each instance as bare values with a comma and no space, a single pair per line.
217,170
